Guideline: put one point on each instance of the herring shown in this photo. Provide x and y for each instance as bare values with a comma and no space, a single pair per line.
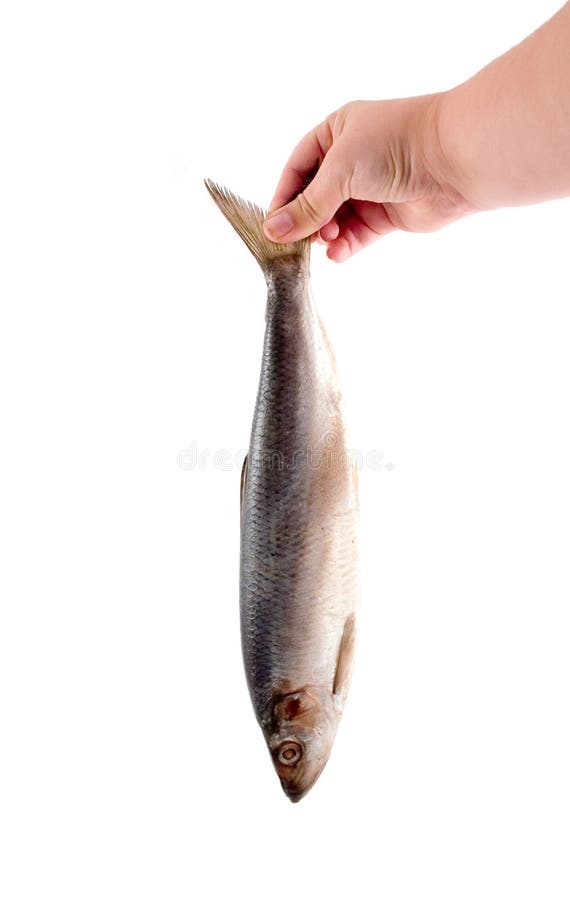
299,520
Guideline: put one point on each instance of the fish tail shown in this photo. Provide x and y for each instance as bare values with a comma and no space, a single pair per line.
247,219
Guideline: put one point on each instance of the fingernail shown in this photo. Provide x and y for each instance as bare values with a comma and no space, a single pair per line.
278,225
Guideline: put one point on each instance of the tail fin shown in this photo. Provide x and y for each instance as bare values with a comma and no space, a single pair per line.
247,219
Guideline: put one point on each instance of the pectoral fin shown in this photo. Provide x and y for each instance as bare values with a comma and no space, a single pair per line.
242,483
345,656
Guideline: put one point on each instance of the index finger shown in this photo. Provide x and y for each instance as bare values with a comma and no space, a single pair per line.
304,161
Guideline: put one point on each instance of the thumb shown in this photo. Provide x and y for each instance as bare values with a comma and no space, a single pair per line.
312,208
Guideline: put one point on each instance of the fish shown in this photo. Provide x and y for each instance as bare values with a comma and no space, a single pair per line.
299,585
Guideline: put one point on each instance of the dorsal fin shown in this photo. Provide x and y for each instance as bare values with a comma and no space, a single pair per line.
345,656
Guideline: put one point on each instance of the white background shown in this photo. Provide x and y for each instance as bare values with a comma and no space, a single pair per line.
131,326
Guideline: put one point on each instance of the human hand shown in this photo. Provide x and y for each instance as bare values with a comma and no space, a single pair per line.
381,166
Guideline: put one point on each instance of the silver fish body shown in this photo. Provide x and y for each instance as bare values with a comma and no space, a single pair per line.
299,514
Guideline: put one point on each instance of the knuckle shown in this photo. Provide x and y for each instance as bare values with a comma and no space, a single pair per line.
341,114
324,136
398,169
309,210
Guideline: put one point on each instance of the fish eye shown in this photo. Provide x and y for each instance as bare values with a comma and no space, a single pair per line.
290,752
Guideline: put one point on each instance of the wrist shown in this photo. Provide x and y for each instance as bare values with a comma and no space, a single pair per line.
445,158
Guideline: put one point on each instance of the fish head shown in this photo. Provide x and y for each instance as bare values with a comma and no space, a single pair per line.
300,732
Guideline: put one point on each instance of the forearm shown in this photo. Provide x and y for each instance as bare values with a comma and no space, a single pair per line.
505,133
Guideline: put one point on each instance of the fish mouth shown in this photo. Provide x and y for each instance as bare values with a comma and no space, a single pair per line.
296,792
293,793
